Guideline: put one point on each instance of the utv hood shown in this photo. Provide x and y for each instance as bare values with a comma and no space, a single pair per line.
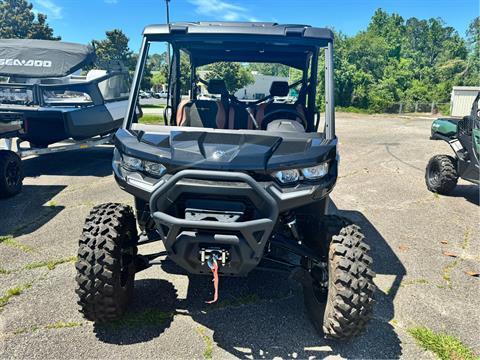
248,150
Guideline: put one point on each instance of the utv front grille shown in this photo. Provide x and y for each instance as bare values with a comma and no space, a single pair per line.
184,231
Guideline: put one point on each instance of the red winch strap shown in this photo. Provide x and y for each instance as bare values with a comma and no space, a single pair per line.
214,268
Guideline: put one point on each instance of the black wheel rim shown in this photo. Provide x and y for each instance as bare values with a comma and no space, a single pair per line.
12,174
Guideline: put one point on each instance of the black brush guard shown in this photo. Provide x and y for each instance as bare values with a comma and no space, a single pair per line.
184,239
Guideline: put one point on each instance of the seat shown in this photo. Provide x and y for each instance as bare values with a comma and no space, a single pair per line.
238,118
205,113
278,88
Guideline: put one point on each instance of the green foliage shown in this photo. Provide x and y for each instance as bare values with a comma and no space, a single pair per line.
8,240
62,324
15,291
397,60
235,75
158,79
472,70
446,347
115,47
151,119
270,69
50,264
18,20
147,317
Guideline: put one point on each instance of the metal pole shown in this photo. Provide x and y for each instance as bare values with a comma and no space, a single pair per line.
168,23
329,93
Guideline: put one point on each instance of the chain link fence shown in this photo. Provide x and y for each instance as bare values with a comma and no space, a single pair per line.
418,107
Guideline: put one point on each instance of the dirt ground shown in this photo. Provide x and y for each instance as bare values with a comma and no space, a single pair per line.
381,187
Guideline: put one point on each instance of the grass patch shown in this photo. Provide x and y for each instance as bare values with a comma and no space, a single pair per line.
61,324
25,330
352,109
243,300
50,264
447,270
446,347
207,340
153,106
17,290
149,317
151,119
414,282
4,271
8,240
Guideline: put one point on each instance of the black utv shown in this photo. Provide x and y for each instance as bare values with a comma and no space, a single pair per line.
463,136
230,185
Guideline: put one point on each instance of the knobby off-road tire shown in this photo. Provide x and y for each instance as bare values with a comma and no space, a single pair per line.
106,262
11,174
342,309
441,174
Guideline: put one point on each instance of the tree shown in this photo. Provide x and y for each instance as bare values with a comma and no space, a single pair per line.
158,79
397,60
157,61
235,75
472,71
272,69
115,47
18,21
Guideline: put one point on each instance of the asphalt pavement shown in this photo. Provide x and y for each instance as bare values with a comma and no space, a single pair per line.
423,246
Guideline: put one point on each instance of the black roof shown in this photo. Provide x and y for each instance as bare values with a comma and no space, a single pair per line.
207,42
241,28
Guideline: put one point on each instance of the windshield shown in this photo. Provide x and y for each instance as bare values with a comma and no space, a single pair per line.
223,94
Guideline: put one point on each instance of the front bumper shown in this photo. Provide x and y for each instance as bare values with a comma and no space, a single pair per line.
243,239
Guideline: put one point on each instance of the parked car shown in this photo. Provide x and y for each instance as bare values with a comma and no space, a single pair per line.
161,94
144,95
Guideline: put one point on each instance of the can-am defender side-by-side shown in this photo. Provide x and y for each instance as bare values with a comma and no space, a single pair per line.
45,100
463,136
230,186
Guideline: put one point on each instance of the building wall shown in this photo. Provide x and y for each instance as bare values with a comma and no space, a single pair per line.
260,87
461,100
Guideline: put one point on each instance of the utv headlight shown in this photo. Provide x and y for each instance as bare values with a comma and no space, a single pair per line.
154,168
315,172
287,176
132,163
150,167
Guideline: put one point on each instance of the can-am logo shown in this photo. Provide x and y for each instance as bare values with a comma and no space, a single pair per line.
29,63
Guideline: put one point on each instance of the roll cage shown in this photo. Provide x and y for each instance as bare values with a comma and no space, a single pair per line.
296,46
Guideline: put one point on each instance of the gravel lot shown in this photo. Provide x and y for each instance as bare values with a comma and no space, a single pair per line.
381,186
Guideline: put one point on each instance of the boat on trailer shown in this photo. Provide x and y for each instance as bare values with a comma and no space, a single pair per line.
46,98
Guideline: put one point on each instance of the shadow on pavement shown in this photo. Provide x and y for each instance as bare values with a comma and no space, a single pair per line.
89,162
29,210
275,323
471,193
150,313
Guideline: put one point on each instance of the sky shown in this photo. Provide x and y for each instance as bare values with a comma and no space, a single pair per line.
84,20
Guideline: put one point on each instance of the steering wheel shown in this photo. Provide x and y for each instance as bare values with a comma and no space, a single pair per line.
274,116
